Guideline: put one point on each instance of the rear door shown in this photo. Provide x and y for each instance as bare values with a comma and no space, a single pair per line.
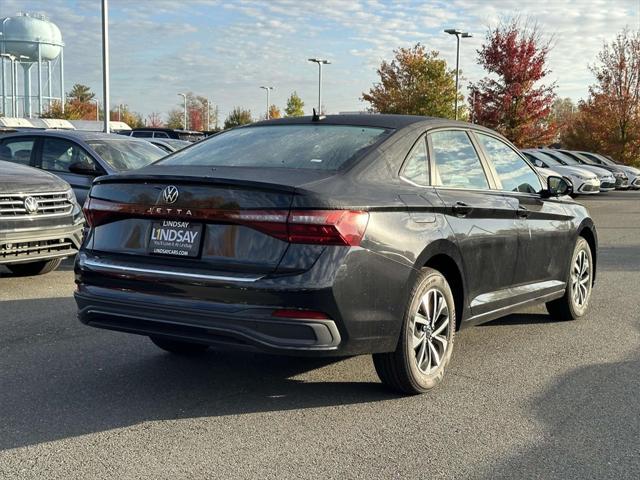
58,155
544,228
483,221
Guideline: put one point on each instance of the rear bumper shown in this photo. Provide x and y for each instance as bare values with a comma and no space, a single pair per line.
36,244
354,288
233,326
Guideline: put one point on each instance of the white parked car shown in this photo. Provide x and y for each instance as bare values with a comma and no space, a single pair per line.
584,181
633,173
607,179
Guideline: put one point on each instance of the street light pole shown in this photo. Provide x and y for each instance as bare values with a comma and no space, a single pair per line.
12,59
184,120
105,64
268,89
320,62
459,34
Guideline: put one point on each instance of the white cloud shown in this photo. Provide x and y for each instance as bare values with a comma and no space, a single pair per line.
225,50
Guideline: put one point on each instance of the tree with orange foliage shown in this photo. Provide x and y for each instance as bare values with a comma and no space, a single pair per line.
513,101
608,121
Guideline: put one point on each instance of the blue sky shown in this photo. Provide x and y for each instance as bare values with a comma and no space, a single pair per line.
226,49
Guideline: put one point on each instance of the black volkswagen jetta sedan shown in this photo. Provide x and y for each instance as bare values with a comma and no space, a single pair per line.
40,221
335,235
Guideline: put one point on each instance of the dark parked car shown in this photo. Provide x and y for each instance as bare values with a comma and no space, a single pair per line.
149,132
334,236
77,156
40,221
169,145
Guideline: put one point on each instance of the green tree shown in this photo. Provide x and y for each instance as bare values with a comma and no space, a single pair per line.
238,116
563,113
415,82
295,106
175,118
80,93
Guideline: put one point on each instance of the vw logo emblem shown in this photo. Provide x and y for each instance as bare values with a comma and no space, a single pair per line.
170,194
31,205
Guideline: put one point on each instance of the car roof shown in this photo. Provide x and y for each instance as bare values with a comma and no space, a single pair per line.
83,135
391,121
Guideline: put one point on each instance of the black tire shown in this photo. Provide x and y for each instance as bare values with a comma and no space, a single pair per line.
568,307
34,268
400,369
178,347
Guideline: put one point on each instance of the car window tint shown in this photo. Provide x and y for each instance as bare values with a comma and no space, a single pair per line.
160,135
142,134
126,153
17,150
416,166
456,162
316,147
59,154
514,173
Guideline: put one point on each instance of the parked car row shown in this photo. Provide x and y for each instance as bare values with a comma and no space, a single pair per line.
590,173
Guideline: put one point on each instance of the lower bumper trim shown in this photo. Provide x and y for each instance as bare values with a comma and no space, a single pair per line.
237,331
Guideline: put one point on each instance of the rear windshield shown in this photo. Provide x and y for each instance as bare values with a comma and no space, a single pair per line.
316,147
126,154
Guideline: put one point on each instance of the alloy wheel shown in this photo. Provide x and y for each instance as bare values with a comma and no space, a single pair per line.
581,279
430,332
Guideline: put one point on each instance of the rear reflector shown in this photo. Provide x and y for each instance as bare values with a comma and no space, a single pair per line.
300,314
323,227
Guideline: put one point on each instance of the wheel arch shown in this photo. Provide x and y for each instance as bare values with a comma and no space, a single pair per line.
445,257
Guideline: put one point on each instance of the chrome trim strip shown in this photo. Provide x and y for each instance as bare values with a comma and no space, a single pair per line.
33,194
185,275
516,291
542,298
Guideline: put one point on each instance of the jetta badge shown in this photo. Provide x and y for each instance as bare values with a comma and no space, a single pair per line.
170,194
31,205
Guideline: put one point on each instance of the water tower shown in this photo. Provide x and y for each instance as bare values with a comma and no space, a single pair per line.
28,41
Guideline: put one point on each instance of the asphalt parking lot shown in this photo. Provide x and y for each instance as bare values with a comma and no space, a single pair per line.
525,397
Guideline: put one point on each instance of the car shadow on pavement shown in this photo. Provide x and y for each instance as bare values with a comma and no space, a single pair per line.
600,401
88,380
65,266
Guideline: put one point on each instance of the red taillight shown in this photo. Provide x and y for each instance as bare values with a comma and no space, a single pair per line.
97,212
327,227
324,227
300,314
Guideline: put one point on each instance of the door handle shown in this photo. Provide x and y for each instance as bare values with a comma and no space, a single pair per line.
522,212
461,209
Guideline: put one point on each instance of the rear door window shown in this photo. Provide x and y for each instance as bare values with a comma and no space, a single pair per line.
416,166
514,173
58,154
142,134
456,162
17,150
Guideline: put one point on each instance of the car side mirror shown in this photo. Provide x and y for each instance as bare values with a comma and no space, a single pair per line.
557,187
84,168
